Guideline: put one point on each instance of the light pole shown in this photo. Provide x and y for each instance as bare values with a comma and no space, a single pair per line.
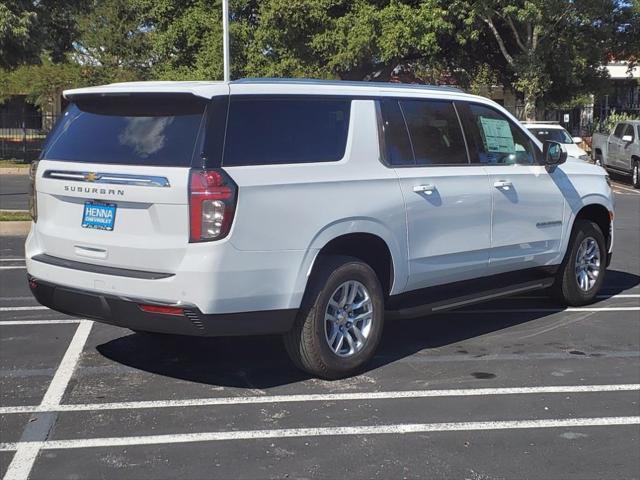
225,40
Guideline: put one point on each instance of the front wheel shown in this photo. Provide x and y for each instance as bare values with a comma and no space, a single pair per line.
635,174
340,322
582,271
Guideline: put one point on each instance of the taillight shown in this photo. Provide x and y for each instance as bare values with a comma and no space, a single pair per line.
33,194
212,204
161,309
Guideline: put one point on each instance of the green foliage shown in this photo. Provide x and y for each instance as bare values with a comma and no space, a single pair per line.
112,34
43,83
31,30
548,50
346,39
607,125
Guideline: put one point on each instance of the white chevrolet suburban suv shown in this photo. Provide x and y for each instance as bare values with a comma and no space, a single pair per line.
311,209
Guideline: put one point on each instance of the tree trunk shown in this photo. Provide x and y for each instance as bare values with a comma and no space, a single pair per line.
530,100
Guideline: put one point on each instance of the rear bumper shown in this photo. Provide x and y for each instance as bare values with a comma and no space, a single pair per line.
125,312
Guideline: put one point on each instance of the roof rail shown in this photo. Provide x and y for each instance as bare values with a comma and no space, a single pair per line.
348,83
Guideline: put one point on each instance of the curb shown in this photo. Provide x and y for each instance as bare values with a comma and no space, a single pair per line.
14,229
14,171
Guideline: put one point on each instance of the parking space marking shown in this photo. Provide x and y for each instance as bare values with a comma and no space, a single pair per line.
23,309
548,310
323,432
40,322
36,432
600,297
12,260
628,189
321,397
14,267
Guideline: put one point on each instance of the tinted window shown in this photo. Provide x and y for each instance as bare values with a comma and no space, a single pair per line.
435,132
131,131
497,139
396,138
263,131
556,134
618,131
629,131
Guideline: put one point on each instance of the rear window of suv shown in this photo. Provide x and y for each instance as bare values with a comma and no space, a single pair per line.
130,130
266,131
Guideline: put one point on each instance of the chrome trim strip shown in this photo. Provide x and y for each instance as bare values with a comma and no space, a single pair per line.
108,178
549,224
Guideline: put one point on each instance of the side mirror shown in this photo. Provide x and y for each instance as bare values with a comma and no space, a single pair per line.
577,139
627,138
554,153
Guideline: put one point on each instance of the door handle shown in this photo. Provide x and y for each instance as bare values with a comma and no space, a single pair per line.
503,184
426,189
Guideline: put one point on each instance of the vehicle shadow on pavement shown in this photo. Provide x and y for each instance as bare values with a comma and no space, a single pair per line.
261,362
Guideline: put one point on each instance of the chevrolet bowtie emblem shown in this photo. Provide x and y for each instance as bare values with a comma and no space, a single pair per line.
91,177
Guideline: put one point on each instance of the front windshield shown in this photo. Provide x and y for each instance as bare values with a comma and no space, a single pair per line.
559,135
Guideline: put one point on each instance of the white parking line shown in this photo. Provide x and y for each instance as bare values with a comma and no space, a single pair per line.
628,189
39,322
601,297
14,268
23,309
12,260
548,310
323,431
322,397
26,452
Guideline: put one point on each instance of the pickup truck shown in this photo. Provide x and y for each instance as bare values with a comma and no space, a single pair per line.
619,152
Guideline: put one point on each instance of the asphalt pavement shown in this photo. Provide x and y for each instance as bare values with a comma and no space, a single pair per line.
516,388
14,192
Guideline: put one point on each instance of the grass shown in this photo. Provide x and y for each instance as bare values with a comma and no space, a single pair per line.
13,163
17,216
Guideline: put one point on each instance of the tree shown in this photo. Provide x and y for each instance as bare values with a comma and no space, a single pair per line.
32,29
553,49
112,34
347,39
186,37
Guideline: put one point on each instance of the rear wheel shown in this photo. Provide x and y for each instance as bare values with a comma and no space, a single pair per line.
340,322
582,272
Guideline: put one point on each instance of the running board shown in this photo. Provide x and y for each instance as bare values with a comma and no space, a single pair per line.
457,302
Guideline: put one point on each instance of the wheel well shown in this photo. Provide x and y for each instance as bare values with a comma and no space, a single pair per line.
600,215
598,151
367,247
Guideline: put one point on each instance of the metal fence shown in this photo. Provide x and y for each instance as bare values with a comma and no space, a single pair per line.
22,136
579,121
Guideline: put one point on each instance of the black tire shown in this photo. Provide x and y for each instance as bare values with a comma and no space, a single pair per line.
566,288
306,343
635,174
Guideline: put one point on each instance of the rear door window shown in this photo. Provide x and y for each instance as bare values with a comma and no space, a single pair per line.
435,132
286,130
398,150
128,130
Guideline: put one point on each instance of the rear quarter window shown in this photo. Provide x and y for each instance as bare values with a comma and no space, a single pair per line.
268,131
